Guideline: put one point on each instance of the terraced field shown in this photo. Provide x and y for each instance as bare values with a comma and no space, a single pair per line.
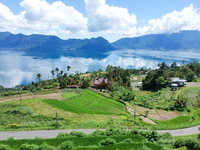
89,103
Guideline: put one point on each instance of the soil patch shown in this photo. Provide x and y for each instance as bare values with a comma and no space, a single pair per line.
147,120
158,114
131,110
44,96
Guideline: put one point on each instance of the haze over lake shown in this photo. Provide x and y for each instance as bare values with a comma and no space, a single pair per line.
17,68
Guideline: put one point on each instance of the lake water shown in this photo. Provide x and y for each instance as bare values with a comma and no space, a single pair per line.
15,68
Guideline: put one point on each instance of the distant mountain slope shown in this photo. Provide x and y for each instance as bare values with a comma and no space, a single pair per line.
46,42
52,46
181,40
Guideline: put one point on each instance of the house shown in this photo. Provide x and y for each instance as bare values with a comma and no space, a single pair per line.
141,72
101,83
178,83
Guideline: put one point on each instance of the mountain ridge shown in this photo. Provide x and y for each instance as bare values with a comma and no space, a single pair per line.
185,39
49,46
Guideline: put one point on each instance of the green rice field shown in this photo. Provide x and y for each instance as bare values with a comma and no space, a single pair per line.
89,103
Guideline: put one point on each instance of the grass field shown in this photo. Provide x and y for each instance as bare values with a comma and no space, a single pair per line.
87,142
69,95
89,103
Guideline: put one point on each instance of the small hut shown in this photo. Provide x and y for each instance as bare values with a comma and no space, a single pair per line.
101,83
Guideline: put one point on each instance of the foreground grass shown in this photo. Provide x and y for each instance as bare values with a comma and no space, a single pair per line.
137,141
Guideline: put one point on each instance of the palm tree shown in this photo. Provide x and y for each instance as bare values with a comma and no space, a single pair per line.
52,72
61,72
68,67
57,72
38,76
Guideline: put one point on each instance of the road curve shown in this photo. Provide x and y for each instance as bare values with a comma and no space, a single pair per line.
54,133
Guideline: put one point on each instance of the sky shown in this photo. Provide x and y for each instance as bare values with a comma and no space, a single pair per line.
111,19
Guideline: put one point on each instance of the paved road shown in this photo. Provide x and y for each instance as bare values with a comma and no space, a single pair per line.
54,133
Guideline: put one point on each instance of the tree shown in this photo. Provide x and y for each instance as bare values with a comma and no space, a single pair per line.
52,72
38,76
57,72
68,67
181,103
61,72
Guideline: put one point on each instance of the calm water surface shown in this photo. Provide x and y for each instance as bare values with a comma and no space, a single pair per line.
16,69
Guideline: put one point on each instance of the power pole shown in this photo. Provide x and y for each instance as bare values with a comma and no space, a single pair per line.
134,117
56,119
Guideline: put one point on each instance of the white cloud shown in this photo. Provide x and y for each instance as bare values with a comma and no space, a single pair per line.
52,33
187,19
40,15
108,19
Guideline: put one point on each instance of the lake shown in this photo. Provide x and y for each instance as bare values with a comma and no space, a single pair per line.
16,68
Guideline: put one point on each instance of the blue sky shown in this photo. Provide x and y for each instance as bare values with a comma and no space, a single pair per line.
111,19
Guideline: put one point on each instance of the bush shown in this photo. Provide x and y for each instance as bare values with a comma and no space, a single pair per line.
166,135
107,142
144,147
10,138
134,131
12,126
152,136
65,145
128,140
98,133
77,134
190,143
182,148
117,131
45,146
4,147
63,134
29,147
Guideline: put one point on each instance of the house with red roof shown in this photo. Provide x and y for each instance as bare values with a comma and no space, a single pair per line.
100,83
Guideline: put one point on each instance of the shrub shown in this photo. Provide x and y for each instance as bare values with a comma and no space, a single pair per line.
4,147
10,138
134,131
98,133
107,142
140,119
190,143
77,134
167,148
117,131
144,147
45,146
166,135
128,140
65,145
150,135
29,147
12,126
182,148
61,134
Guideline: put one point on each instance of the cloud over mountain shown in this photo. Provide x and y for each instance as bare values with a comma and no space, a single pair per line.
187,19
108,19
40,15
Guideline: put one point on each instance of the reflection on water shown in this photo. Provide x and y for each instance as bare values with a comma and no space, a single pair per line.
16,69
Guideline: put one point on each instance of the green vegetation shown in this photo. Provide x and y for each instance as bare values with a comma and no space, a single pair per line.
108,139
89,103
160,78
69,95
112,138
